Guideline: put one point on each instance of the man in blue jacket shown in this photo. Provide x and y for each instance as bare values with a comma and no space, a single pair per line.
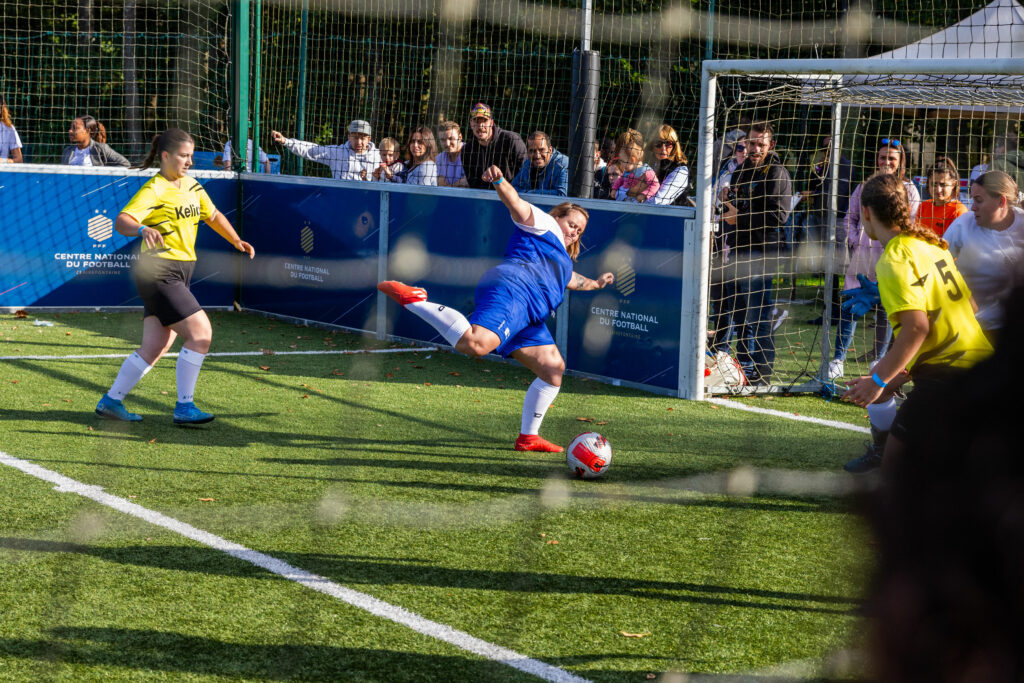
545,171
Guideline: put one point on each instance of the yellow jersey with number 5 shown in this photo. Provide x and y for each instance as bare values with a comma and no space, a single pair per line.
914,275
173,211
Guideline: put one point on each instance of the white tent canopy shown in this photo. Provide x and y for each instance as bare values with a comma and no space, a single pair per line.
993,33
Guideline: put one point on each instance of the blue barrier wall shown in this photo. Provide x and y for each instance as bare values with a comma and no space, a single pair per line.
322,246
58,246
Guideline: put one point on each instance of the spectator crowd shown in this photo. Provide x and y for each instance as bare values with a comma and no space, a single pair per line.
759,220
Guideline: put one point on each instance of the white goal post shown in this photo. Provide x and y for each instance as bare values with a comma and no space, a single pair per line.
969,87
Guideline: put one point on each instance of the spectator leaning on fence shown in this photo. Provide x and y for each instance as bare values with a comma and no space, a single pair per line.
10,143
612,172
490,146
420,151
763,189
639,181
355,160
89,147
450,172
670,165
546,171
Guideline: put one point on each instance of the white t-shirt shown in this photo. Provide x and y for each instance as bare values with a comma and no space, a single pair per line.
81,157
226,156
988,260
8,140
542,222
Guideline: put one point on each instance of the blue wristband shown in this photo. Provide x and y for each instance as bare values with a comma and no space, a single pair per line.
499,181
141,228
878,380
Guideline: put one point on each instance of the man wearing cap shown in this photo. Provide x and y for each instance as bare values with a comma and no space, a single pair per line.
355,160
490,146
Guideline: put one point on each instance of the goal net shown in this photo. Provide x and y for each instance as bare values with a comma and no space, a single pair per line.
784,236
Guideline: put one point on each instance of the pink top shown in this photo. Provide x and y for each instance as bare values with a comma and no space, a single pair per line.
866,251
631,178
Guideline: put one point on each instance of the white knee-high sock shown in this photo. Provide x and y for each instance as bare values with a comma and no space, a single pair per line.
187,371
133,369
882,414
449,322
538,399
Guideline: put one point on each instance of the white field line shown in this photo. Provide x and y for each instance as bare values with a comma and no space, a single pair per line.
323,352
789,416
375,606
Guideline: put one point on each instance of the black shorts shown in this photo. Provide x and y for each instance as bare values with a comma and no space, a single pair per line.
163,288
933,385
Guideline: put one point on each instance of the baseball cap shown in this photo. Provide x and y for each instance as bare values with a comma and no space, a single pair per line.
361,127
480,110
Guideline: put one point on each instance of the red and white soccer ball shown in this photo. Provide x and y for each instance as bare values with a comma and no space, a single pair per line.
588,455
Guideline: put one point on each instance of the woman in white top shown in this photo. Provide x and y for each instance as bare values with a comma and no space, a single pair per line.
420,151
10,143
988,243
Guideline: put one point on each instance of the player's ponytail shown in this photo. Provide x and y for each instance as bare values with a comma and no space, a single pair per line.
168,141
886,196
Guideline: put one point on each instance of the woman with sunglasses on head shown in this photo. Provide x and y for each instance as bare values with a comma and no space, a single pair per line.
864,254
670,166
420,152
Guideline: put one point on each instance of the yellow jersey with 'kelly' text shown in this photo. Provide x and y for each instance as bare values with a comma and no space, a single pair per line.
175,212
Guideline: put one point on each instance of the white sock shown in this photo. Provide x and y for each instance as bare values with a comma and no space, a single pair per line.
449,322
187,371
133,369
882,414
538,399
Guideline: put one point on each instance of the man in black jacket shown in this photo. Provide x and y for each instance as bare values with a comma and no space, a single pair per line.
762,193
490,146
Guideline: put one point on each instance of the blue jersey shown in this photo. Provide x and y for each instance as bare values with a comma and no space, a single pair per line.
536,265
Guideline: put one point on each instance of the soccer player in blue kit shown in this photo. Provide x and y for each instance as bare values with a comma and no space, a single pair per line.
513,300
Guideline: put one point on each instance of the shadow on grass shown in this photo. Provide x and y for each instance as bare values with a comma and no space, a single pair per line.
175,653
359,570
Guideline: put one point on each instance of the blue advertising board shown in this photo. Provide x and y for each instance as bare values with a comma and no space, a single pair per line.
317,249
58,246
630,330
322,245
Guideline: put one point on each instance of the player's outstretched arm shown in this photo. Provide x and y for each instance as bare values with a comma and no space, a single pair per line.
222,226
584,284
517,208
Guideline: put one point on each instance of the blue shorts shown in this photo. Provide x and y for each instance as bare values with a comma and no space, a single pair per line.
501,309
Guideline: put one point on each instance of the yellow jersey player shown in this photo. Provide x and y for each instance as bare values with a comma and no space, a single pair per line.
165,213
932,316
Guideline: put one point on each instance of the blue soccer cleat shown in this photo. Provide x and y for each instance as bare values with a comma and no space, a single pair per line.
188,414
112,409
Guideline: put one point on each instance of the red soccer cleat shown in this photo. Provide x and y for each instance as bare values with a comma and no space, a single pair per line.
533,442
402,293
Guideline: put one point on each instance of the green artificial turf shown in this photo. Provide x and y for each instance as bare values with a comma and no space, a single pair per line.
394,475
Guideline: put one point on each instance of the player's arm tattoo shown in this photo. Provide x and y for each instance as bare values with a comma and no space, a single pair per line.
580,283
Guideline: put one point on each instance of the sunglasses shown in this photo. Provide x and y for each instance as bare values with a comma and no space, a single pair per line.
665,143
888,141
741,148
